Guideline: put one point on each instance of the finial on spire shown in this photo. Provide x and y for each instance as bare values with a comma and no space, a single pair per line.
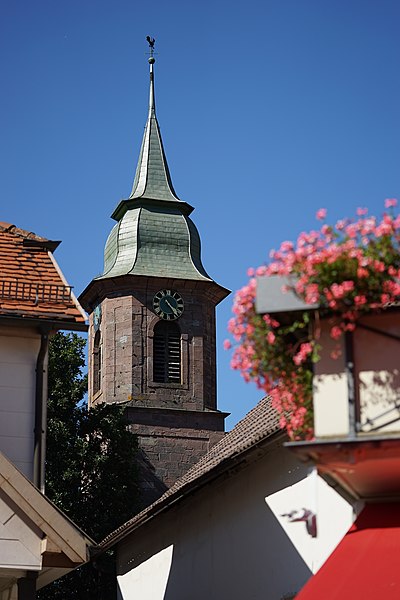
151,42
152,60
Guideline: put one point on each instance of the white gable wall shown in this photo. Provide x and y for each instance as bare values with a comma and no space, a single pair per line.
20,540
226,542
19,348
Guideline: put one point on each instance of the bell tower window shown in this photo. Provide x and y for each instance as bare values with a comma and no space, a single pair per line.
167,360
97,362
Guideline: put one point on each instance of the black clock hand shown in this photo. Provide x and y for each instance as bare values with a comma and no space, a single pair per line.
174,310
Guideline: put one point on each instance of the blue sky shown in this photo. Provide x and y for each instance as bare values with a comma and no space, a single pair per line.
268,109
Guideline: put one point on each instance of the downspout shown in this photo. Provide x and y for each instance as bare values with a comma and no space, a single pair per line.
351,391
39,451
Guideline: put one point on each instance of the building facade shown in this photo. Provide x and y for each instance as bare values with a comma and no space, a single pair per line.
249,520
38,544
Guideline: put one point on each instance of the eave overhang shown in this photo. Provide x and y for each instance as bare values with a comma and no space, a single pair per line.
366,468
63,545
99,289
44,323
129,203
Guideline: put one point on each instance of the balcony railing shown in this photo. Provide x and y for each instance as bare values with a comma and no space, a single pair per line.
35,292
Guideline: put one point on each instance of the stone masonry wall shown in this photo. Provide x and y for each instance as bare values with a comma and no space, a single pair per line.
127,325
166,454
176,424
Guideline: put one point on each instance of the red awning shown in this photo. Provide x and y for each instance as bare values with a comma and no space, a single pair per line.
366,563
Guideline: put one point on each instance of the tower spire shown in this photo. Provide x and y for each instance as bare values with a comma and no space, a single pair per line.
152,179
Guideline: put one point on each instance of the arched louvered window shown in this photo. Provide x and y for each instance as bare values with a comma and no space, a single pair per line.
97,362
167,353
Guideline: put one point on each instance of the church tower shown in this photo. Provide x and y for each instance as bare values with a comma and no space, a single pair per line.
152,336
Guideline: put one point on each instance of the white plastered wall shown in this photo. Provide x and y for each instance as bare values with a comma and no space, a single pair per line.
19,349
229,540
377,364
376,378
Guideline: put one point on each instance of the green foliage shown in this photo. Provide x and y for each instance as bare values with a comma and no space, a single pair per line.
90,466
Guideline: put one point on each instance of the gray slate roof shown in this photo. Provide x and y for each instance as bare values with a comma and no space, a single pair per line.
154,235
154,241
258,425
152,179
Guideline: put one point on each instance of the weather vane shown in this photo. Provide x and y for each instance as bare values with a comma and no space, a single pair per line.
151,42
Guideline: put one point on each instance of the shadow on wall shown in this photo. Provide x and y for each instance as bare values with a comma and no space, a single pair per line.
223,542
151,486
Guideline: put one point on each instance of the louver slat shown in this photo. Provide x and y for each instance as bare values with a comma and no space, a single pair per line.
167,353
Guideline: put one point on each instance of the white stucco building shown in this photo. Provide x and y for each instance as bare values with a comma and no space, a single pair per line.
219,532
38,544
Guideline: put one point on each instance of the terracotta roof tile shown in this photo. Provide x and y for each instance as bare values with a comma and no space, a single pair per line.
31,283
259,424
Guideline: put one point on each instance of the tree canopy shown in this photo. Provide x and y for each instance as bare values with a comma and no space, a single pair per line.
90,466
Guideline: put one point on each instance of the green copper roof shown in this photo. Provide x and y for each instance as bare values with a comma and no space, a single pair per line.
152,179
154,235
155,242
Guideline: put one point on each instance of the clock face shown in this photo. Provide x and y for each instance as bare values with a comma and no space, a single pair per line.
168,304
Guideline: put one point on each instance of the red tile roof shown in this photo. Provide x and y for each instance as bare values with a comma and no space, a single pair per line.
31,282
257,427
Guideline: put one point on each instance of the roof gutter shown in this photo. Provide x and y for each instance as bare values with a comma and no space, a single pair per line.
51,324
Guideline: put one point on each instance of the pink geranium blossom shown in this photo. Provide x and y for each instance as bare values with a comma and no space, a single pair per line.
390,202
348,270
336,332
362,211
271,337
321,214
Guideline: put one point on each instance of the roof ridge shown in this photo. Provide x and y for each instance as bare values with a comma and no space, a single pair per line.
28,235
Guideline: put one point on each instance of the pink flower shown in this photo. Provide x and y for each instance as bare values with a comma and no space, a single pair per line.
379,266
348,286
227,345
321,214
270,321
326,229
312,293
306,348
286,247
301,356
337,290
336,332
360,300
351,268
390,202
340,225
351,230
